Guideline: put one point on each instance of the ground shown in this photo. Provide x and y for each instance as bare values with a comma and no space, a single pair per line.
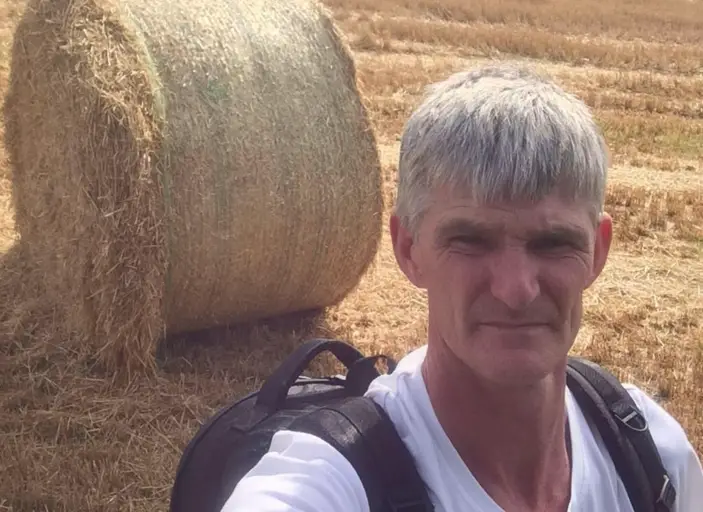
71,440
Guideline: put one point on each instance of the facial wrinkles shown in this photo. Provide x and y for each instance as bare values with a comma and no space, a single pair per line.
515,228
554,282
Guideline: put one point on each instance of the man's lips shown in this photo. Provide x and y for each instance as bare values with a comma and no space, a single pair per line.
515,325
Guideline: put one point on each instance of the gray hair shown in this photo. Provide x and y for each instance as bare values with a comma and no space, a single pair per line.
502,133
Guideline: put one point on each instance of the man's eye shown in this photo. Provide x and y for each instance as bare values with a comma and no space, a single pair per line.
550,244
469,241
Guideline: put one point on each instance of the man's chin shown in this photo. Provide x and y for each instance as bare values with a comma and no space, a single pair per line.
510,363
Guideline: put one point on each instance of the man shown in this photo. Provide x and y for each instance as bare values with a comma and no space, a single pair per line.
499,217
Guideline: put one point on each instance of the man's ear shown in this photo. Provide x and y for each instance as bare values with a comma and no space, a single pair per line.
604,237
405,250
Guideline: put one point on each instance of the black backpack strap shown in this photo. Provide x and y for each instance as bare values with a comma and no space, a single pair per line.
625,433
362,431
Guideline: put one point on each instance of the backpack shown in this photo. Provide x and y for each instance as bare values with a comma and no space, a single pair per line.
333,408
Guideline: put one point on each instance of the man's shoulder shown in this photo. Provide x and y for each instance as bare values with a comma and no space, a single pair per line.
675,448
668,433
299,472
666,429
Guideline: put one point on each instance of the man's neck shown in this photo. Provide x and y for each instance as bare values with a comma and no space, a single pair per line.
513,440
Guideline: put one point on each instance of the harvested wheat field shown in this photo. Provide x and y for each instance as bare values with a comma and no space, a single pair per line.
74,439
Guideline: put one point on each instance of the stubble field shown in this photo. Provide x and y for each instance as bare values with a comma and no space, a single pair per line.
72,440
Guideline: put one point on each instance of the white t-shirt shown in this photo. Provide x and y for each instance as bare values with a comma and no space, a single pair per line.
302,473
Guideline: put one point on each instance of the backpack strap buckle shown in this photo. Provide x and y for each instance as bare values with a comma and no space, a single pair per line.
667,496
630,416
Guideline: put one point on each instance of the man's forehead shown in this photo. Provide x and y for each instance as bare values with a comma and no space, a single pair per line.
451,224
550,213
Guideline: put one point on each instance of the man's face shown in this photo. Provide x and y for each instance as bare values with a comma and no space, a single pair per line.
504,281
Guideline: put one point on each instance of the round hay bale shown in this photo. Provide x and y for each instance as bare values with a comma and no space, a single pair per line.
181,164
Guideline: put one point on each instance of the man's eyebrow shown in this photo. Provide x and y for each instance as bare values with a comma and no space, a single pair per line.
571,233
465,226
568,232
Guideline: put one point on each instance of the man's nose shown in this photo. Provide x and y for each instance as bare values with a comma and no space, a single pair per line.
514,278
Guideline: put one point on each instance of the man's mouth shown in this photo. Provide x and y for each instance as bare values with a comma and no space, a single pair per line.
515,325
